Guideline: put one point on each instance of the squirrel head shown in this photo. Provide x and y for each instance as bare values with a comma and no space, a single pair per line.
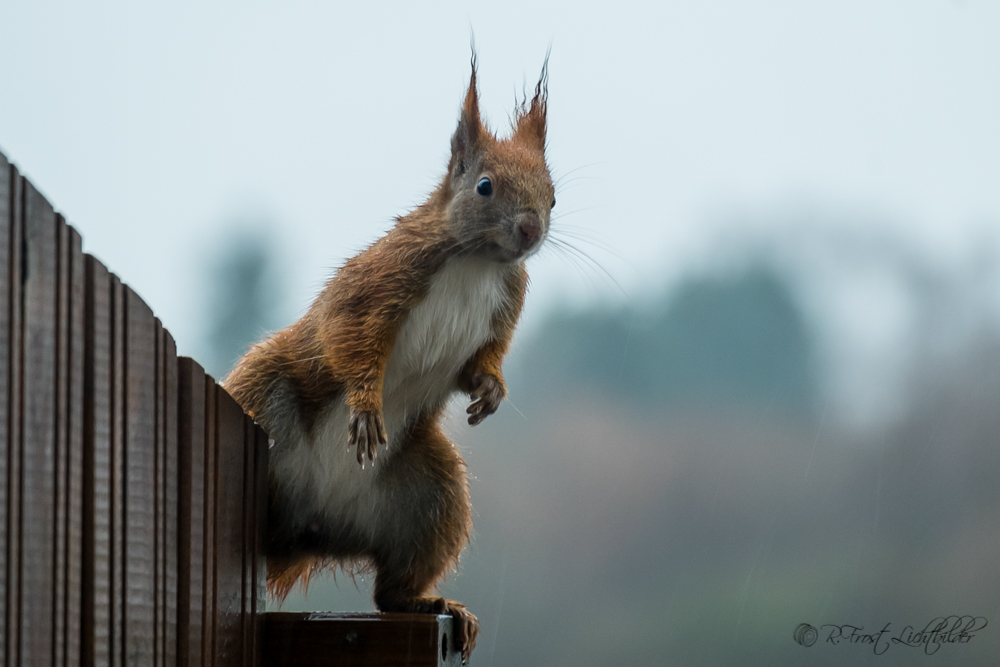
500,192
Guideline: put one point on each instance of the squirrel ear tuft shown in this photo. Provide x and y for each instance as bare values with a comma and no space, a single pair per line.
470,130
529,127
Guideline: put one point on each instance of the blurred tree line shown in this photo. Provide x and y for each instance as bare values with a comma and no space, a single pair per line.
736,340
248,295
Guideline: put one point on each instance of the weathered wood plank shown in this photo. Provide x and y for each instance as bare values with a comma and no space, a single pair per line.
38,436
259,572
249,476
165,505
97,479
250,455
74,497
159,504
356,640
68,445
191,512
230,570
6,225
61,424
208,610
140,470
170,462
15,421
118,470
69,402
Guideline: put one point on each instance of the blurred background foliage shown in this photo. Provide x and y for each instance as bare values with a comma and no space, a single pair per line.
737,340
692,476
246,299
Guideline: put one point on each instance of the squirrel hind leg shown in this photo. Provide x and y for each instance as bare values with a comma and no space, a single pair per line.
425,529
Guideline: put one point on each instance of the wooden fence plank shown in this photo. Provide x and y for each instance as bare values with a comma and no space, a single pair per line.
170,385
249,454
230,565
140,483
209,646
69,446
74,498
191,512
61,459
97,479
159,502
38,437
249,540
15,420
165,607
258,501
5,353
118,474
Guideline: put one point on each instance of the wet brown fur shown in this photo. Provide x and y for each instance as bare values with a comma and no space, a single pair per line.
340,349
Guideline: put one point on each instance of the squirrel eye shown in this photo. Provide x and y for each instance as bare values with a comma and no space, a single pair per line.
484,187
553,203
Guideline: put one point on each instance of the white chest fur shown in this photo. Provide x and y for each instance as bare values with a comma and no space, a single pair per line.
437,338
442,332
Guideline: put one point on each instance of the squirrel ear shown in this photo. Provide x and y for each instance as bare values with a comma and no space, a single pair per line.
529,126
470,128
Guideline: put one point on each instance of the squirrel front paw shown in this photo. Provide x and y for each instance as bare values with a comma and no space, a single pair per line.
367,432
487,393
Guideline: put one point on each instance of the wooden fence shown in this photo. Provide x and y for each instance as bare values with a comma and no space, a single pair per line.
133,488
132,485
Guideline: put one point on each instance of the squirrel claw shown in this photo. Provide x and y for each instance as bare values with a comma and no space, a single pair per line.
366,430
465,626
487,395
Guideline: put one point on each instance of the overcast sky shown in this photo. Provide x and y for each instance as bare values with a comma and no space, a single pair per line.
154,129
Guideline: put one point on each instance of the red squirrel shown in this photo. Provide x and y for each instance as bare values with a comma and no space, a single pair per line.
426,311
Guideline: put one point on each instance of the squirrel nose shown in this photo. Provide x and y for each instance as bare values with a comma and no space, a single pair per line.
529,230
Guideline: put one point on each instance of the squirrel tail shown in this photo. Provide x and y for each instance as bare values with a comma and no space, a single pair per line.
283,574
